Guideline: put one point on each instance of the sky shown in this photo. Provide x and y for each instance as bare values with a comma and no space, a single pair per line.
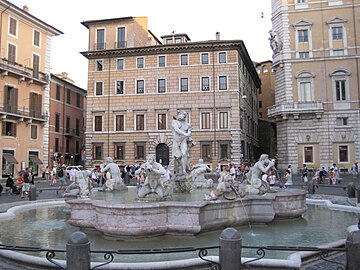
199,19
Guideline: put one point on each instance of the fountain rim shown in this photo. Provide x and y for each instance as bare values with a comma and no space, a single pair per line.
293,260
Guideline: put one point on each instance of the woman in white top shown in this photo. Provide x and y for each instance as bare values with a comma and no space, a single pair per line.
288,177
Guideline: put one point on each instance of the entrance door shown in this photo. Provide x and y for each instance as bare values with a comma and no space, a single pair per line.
162,154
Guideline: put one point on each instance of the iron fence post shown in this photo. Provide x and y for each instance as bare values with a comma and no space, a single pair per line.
353,247
230,243
78,252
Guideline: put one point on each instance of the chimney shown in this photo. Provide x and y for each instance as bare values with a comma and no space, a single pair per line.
217,34
26,8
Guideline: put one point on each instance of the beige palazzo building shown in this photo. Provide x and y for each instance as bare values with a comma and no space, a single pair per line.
316,62
137,83
24,89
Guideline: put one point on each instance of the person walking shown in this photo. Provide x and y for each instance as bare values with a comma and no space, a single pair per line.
305,174
288,177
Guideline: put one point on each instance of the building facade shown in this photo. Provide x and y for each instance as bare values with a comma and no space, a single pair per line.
316,65
24,89
66,121
266,99
136,85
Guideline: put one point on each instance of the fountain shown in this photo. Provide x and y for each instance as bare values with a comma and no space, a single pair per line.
253,203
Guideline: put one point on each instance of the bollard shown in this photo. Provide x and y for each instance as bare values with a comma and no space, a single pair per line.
78,252
352,254
32,193
351,190
230,249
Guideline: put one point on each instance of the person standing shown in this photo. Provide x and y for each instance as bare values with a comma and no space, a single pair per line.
305,174
26,183
72,174
288,177
354,170
62,178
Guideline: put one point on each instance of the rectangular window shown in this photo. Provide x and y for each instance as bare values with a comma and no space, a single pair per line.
11,53
184,84
36,65
206,151
340,90
184,59
162,61
140,87
140,122
177,40
100,39
119,151
68,96
10,99
58,92
305,91
119,87
120,64
341,121
8,129
303,36
97,152
56,145
343,153
67,146
222,57
77,127
120,122
304,55
205,83
35,104
140,62
78,100
99,65
140,150
224,150
205,58
98,88
223,120
77,146
98,119
121,43
337,33
36,38
205,120
161,123
67,128
222,83
57,122
260,104
161,85
13,27
308,154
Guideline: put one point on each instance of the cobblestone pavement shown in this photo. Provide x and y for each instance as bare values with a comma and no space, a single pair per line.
336,193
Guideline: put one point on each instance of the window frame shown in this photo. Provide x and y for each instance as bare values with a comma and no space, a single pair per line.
206,154
140,122
340,161
221,84
161,88
205,87
304,150
207,58
222,57
138,146
99,45
160,62
122,66
184,87
140,62
205,120
13,27
96,84
119,84
99,65
117,146
222,143
140,90
37,38
185,61
96,127
119,125
161,124
223,123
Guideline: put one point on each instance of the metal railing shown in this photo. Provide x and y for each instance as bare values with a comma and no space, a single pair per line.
78,253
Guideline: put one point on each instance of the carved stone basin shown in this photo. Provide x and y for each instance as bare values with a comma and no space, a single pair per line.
184,218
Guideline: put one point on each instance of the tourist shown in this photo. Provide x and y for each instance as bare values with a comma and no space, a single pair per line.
167,173
232,171
72,174
288,177
95,177
331,175
272,178
53,176
336,176
354,169
322,175
47,173
26,183
62,178
305,173
11,185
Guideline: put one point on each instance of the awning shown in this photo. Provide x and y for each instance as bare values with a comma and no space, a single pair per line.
35,159
10,158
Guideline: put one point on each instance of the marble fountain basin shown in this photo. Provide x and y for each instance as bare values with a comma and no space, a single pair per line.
147,219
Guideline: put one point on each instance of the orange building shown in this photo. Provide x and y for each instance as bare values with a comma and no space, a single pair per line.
24,89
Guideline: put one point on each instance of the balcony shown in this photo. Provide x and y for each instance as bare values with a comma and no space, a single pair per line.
296,109
107,46
22,73
8,111
71,132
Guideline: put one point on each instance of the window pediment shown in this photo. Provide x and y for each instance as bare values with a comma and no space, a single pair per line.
302,23
305,75
337,20
340,72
